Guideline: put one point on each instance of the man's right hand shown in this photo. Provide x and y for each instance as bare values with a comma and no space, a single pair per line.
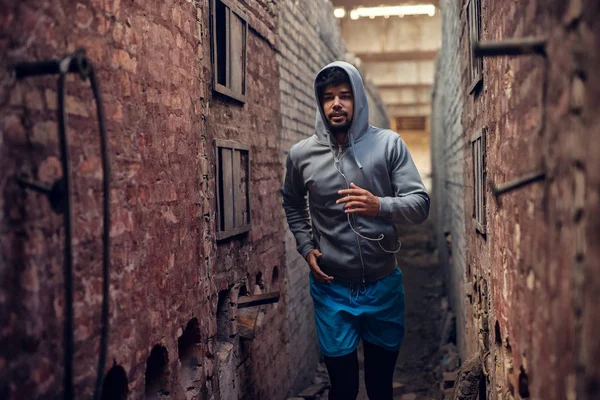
312,260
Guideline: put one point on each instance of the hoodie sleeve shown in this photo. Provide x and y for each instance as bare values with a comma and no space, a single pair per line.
410,205
296,208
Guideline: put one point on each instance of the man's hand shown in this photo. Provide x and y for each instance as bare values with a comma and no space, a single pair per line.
359,201
311,259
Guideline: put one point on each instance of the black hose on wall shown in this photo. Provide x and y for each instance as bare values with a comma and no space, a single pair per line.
67,218
76,63
106,237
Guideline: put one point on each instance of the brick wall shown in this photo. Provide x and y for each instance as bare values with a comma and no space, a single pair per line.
153,63
309,41
533,278
256,123
448,152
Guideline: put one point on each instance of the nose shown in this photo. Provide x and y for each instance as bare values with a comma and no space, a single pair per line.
336,102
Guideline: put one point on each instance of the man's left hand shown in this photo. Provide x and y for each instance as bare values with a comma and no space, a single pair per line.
359,201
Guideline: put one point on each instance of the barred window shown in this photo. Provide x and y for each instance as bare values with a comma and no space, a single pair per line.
478,155
474,28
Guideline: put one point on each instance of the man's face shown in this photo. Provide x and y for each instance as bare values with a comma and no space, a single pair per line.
338,107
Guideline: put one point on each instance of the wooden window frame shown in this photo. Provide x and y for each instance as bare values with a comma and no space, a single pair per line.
479,180
218,87
473,13
235,193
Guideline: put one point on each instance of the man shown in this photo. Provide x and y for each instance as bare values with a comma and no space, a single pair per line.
361,181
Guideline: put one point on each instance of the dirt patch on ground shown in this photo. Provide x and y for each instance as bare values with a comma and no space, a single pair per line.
418,365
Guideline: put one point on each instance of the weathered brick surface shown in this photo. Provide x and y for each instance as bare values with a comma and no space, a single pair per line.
448,151
167,269
153,63
533,279
304,52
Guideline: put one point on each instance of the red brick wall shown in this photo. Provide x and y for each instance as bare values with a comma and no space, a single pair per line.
532,281
153,63
256,124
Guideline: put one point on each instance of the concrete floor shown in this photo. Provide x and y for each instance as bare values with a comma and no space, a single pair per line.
418,364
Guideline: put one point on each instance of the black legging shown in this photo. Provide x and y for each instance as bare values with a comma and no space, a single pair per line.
379,372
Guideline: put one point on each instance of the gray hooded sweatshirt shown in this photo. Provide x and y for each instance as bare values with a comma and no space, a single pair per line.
356,248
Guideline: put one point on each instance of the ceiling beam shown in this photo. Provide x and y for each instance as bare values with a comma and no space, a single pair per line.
414,104
400,86
393,56
407,110
375,3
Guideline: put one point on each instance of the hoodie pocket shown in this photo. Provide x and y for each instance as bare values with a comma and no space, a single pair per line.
325,250
338,259
390,240
384,247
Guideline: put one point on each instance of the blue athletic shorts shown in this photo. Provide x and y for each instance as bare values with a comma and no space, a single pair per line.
346,313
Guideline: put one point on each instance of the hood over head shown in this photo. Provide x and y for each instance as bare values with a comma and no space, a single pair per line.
360,120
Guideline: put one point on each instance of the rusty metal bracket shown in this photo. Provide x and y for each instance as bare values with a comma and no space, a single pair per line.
518,183
510,47
57,194
258,300
75,63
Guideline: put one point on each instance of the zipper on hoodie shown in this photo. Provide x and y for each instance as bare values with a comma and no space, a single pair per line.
362,261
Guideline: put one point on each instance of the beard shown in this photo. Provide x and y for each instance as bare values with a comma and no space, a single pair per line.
340,128
337,128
